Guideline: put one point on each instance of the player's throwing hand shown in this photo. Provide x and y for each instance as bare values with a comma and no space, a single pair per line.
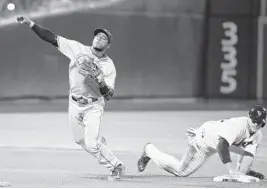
24,20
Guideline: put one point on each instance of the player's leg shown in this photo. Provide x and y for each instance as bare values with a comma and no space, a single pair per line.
94,143
85,126
191,161
76,122
76,117
161,159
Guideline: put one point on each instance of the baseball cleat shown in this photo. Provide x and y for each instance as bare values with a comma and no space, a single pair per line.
118,172
143,160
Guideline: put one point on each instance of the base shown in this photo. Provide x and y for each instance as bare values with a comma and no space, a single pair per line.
236,178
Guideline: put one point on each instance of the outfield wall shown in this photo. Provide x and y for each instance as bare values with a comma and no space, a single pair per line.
157,50
231,49
172,48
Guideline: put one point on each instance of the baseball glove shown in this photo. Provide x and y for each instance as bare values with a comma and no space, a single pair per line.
255,174
89,69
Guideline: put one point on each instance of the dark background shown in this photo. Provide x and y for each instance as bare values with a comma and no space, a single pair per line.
161,49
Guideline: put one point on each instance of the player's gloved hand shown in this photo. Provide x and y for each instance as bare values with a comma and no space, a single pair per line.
89,69
255,174
98,75
24,20
194,136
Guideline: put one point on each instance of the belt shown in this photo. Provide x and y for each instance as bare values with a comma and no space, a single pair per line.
84,100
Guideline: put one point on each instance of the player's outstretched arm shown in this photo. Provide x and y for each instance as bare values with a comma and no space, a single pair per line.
43,33
224,153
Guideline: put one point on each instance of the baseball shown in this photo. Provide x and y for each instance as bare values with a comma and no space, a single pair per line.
11,6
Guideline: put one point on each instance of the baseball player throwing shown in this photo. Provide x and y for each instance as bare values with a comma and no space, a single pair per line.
241,135
92,78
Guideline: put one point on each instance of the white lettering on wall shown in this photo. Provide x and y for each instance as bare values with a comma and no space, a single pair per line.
229,63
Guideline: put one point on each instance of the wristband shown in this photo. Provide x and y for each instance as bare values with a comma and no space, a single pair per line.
31,24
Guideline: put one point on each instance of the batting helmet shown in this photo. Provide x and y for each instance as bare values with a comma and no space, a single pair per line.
98,30
258,115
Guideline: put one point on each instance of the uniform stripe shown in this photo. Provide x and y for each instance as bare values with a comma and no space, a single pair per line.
192,160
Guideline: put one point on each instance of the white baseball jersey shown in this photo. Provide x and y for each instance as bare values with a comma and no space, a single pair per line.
204,144
251,144
234,130
80,85
85,121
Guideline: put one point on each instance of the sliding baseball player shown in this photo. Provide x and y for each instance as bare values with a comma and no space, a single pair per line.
241,135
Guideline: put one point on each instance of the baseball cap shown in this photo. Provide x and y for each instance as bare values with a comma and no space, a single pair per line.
98,30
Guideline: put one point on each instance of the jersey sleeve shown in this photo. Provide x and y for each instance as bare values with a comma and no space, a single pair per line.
70,48
111,77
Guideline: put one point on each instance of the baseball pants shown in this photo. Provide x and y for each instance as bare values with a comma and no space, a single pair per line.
85,124
191,161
